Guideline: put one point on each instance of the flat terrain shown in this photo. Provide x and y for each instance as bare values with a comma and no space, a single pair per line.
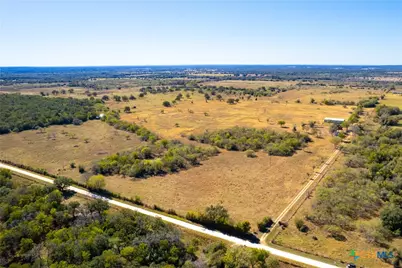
250,84
392,100
58,146
250,188
195,115
326,246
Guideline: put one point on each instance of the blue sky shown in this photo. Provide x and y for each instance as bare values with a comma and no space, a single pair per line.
77,33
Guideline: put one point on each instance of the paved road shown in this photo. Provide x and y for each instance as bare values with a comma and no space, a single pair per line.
303,191
196,228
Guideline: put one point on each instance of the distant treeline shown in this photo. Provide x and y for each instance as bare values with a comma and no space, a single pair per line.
23,112
242,139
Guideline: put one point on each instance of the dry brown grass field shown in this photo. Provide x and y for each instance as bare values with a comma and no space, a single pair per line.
59,146
326,246
249,84
251,188
195,115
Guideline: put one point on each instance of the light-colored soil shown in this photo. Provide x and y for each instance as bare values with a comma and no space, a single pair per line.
59,146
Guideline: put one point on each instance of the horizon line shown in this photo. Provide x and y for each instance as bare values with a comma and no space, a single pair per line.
197,64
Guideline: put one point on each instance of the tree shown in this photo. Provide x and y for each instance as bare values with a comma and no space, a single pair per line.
216,214
312,100
281,123
62,183
127,109
81,168
336,141
231,101
207,97
124,98
117,98
96,182
132,97
391,217
219,97
166,104
105,97
265,224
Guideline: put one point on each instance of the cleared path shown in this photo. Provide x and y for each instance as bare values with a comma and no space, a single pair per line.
303,191
197,228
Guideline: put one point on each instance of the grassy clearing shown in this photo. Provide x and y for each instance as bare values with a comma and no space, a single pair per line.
59,146
250,188
195,115
392,100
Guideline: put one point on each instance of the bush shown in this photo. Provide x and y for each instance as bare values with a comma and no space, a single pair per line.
166,104
96,182
265,224
250,154
81,169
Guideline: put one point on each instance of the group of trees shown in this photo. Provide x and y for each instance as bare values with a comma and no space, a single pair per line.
369,103
371,181
156,159
39,228
217,217
388,116
242,139
23,112
338,102
113,119
219,255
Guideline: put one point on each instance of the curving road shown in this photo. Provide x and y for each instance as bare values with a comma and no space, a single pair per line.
196,228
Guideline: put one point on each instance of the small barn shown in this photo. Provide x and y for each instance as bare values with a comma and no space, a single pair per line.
334,120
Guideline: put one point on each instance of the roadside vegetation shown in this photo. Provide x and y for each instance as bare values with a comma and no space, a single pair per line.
23,112
40,227
243,139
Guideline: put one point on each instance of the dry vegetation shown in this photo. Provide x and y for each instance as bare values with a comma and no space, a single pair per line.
326,246
250,84
58,146
195,115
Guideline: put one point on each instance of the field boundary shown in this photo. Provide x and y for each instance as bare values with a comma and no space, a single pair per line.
299,199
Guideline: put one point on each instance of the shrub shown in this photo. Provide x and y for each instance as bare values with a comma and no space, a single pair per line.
250,154
166,104
265,224
96,182
81,168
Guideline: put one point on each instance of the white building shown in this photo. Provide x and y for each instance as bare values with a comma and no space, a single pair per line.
333,120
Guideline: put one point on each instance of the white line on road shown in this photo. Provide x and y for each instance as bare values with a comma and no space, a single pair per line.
197,228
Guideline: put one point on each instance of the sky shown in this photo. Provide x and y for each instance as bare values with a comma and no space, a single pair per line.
91,33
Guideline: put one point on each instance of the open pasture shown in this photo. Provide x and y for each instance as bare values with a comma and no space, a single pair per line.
195,115
250,188
250,84
58,146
